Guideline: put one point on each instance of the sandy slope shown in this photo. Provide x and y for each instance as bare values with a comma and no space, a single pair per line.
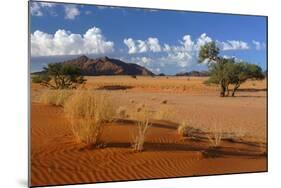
57,159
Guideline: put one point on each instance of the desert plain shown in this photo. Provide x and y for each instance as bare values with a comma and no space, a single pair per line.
228,134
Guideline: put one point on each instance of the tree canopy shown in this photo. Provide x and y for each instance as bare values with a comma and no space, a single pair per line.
60,76
209,52
227,71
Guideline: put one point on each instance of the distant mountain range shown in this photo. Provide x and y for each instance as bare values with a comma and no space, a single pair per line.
105,66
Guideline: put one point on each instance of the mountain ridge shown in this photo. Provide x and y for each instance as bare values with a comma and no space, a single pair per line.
107,66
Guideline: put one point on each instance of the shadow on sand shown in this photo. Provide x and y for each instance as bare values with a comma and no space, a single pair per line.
114,87
251,90
203,148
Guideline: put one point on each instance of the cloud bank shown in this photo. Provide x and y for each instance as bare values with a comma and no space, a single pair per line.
180,57
64,42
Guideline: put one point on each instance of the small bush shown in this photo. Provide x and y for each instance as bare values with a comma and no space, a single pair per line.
36,79
164,102
60,76
88,112
55,97
143,125
186,130
215,137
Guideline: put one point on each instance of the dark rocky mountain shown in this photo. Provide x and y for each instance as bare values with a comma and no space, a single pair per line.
107,66
194,73
161,74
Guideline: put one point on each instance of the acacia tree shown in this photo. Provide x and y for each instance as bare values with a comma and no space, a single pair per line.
60,76
220,74
210,53
225,71
241,72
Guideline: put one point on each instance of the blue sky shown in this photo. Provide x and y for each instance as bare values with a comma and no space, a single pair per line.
161,40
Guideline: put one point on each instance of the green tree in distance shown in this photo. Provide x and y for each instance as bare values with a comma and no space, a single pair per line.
60,76
226,71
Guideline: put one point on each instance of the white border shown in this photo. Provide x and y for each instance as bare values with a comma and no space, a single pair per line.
13,99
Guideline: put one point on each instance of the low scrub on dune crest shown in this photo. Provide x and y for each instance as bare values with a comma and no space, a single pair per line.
186,130
55,97
143,124
88,112
215,136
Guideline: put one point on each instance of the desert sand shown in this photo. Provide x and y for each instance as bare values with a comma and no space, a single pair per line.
56,158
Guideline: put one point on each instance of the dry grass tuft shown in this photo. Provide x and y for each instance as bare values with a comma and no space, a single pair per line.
161,115
215,136
143,125
186,130
55,97
88,112
121,112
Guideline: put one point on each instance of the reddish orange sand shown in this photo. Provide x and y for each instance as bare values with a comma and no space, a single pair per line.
57,159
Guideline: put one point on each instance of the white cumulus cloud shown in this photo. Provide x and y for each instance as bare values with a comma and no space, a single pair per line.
130,43
258,45
153,44
36,8
64,42
71,11
234,45
141,46
203,39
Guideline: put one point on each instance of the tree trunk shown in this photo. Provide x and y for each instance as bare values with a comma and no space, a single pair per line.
235,89
222,92
227,90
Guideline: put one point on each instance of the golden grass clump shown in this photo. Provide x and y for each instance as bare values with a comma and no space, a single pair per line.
164,113
186,130
143,124
215,136
121,112
88,112
55,97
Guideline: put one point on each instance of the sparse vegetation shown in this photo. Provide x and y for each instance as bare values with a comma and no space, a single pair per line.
55,97
122,112
88,112
165,113
215,136
185,129
143,124
59,76
226,71
164,101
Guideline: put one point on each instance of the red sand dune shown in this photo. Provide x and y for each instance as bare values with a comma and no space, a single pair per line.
57,159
